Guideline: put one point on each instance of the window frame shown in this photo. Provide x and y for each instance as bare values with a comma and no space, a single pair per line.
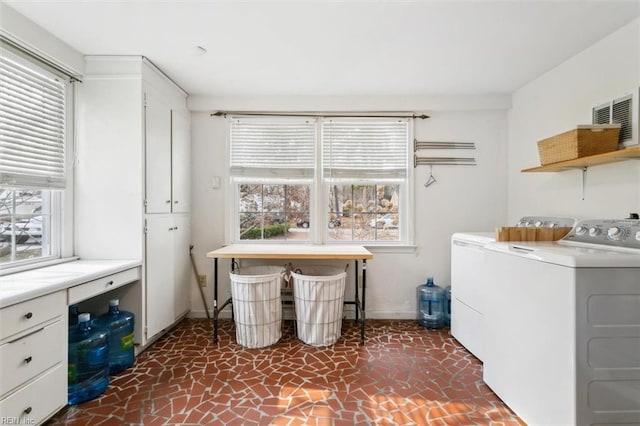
319,193
60,199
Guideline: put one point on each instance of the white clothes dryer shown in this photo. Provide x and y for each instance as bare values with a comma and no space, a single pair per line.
562,326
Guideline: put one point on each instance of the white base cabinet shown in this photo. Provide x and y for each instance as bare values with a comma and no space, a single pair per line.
34,329
167,282
182,279
33,355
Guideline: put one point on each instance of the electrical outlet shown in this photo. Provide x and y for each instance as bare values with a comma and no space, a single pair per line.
202,280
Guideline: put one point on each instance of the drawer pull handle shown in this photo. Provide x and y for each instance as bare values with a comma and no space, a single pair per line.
28,315
27,410
28,359
168,201
110,282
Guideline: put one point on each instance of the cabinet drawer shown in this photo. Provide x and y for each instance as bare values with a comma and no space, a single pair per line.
25,358
39,400
26,315
102,285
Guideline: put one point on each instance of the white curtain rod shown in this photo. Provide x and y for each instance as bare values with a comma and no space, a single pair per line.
369,114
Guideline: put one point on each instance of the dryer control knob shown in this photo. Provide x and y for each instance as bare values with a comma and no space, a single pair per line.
615,232
581,230
594,232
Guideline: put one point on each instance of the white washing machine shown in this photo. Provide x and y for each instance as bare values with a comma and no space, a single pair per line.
469,277
562,321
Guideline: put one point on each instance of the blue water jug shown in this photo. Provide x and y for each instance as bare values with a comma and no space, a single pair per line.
73,315
430,305
88,369
120,326
447,306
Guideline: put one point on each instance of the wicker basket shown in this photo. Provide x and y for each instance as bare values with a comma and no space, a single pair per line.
583,141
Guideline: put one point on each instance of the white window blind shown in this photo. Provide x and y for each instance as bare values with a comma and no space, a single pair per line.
363,147
32,125
283,147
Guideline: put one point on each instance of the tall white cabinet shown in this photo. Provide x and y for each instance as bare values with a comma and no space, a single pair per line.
133,182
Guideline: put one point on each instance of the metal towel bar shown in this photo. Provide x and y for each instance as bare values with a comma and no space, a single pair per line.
449,161
442,161
418,145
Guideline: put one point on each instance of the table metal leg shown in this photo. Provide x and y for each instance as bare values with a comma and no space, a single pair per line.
216,310
355,297
215,300
235,267
364,289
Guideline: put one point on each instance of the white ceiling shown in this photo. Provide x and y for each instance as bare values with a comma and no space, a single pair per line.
264,48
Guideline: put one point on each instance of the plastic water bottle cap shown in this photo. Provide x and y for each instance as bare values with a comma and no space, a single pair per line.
114,302
84,317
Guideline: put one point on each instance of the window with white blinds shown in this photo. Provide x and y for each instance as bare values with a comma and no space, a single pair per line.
32,125
36,112
365,147
284,147
321,179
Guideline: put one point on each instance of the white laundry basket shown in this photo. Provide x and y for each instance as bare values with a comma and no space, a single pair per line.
257,306
318,295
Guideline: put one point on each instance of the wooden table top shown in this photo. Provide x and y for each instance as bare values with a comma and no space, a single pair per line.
290,251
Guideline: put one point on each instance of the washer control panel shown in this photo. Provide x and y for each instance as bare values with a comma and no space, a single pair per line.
607,232
546,222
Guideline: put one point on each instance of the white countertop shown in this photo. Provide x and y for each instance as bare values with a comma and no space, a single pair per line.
21,286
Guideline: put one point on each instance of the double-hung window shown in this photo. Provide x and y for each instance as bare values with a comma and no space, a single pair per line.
272,168
34,123
320,179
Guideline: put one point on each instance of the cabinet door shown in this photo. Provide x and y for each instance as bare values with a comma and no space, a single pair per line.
157,154
182,265
159,274
180,162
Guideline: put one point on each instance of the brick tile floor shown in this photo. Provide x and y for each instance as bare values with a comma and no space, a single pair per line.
403,375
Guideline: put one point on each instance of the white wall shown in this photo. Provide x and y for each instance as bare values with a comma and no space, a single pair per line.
556,102
464,198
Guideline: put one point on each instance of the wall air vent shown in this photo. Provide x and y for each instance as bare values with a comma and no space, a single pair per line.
602,114
623,110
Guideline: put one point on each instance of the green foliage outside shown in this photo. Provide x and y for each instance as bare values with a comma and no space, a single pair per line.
269,231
